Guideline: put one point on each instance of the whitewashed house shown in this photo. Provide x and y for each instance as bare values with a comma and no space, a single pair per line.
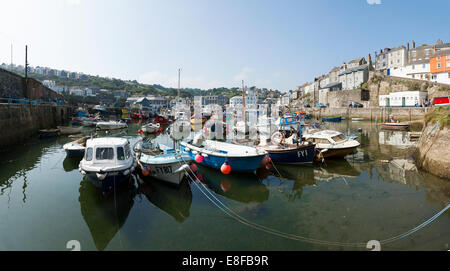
403,99
419,69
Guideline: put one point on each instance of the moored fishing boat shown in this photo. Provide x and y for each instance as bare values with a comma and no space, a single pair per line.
111,125
395,126
107,162
76,148
167,165
288,152
332,143
224,156
64,130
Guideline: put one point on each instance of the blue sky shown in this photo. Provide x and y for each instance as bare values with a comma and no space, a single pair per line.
272,44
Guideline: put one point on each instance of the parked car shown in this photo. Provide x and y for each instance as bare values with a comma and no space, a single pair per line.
320,105
355,104
307,105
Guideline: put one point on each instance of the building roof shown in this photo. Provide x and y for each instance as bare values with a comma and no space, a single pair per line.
441,53
334,84
356,69
356,60
334,69
421,61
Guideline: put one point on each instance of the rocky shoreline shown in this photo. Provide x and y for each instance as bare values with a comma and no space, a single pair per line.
433,148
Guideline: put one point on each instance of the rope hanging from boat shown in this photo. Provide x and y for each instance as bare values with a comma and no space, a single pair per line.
228,211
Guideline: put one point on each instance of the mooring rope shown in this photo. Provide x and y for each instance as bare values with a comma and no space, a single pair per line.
224,208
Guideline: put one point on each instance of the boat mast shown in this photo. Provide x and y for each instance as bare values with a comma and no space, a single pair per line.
179,71
243,107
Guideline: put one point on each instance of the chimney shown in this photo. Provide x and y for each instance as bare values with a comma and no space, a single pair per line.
369,58
439,42
381,51
407,46
413,44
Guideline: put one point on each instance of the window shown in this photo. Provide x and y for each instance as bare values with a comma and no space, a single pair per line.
120,153
338,138
448,64
438,65
438,58
449,75
127,151
427,52
88,155
413,66
423,66
104,154
414,54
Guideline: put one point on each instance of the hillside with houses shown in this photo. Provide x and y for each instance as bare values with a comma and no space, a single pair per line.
405,75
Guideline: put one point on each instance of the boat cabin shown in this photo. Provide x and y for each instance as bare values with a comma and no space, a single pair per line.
108,150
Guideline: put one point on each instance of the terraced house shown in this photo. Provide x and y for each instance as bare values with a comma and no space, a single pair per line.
440,67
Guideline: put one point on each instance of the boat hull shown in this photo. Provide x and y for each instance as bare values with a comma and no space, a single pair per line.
75,153
337,153
113,179
332,119
394,126
172,173
48,133
237,164
300,155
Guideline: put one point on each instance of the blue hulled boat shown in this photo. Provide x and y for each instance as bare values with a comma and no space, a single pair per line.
332,119
292,154
215,154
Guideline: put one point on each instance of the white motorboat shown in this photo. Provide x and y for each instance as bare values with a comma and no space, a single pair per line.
111,125
150,128
332,143
107,162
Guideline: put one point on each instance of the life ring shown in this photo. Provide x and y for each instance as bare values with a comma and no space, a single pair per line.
277,138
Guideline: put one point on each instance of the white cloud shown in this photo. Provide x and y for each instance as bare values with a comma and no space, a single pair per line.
374,2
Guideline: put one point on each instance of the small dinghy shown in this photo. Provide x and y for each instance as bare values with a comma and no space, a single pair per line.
166,165
64,130
48,133
395,126
76,148
111,125
224,156
357,119
332,119
107,162
151,128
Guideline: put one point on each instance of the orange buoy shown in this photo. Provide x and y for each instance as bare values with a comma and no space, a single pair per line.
225,168
145,171
140,131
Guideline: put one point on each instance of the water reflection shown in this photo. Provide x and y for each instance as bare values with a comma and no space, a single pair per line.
242,187
105,216
301,175
174,200
71,163
334,169
395,138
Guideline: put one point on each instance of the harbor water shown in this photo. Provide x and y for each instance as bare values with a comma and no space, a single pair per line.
45,202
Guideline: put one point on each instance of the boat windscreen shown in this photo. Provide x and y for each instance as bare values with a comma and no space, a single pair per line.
338,138
104,154
120,153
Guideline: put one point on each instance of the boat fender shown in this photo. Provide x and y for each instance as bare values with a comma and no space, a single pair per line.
194,152
83,172
145,171
126,172
187,149
225,168
101,176
199,158
204,155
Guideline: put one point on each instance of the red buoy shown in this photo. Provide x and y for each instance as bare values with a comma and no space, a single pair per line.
225,168
199,158
193,167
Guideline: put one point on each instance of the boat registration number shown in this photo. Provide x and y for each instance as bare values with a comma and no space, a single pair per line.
163,170
303,153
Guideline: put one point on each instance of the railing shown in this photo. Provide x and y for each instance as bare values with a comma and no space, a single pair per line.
27,101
